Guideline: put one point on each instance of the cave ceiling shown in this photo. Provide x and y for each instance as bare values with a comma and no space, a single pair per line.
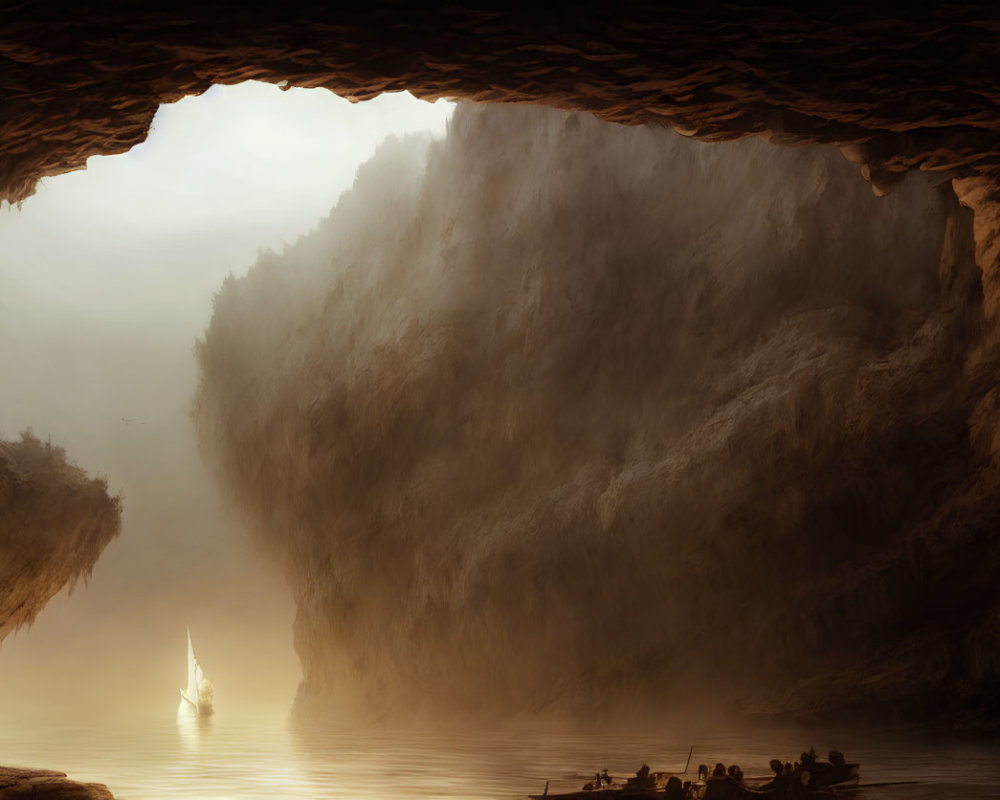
898,92
895,91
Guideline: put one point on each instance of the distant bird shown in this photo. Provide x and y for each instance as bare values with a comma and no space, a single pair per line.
133,421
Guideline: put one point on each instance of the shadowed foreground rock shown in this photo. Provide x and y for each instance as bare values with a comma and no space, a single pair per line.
45,784
54,523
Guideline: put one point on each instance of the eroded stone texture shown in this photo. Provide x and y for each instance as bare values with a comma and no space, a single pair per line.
914,91
586,417
17,783
54,523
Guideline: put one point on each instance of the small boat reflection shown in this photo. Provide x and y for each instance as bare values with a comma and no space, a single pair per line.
194,713
192,728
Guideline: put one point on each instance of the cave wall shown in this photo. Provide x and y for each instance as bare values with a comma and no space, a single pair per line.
54,523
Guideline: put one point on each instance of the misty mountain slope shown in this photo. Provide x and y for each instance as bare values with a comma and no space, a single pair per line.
583,413
54,523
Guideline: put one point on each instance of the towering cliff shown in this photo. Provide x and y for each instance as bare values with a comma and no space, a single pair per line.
579,413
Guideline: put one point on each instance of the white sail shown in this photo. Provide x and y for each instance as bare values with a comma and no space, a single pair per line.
198,697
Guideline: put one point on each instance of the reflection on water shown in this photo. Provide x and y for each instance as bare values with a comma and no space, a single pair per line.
262,757
192,727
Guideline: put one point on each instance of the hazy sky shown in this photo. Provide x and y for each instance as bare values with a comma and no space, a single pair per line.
221,175
106,279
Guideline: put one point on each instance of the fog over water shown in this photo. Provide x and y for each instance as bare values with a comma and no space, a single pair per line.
106,280
256,758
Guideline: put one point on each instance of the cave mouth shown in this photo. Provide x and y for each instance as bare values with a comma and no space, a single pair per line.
714,75
937,447
876,329
611,481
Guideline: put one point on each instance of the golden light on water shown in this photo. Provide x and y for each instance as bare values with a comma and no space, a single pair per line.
192,728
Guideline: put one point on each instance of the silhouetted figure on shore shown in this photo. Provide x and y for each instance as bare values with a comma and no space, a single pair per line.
822,773
804,780
675,789
642,779
781,786
725,784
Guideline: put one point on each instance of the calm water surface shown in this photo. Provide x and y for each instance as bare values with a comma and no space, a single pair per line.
265,757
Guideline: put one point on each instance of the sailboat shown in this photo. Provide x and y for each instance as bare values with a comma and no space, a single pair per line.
197,698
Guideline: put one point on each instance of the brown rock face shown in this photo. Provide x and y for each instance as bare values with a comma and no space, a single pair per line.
54,523
585,417
46,784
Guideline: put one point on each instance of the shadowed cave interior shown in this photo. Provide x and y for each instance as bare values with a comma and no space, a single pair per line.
554,441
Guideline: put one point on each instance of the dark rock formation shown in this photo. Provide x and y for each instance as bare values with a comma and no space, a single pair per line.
54,523
17,783
588,416
897,92
901,91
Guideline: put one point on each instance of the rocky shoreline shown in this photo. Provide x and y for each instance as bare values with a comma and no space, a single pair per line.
47,784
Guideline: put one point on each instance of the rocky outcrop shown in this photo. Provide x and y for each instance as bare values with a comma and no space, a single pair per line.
586,417
54,523
17,783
